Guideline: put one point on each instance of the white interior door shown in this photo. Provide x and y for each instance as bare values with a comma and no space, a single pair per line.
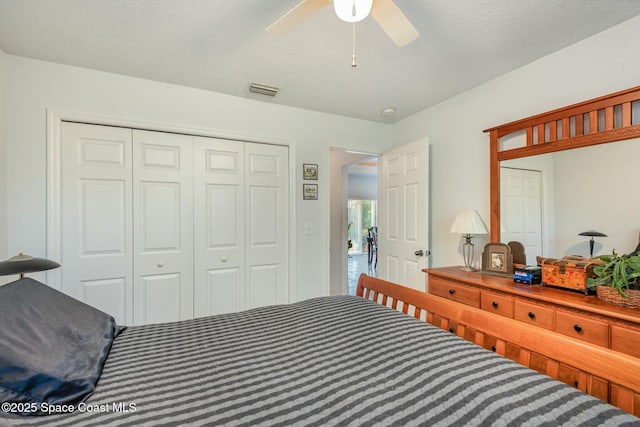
97,261
403,214
163,235
266,224
219,218
521,209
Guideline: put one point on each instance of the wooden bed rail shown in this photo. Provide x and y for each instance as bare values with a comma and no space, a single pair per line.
392,295
607,374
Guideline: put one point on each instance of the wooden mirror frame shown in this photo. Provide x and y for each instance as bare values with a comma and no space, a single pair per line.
551,131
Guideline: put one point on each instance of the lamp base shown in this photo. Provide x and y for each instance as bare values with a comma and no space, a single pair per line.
467,254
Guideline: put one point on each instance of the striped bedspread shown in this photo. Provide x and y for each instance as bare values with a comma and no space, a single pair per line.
325,361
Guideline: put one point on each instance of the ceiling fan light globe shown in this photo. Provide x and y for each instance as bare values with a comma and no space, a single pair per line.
345,9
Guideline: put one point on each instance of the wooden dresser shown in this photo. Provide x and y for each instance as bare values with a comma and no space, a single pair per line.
583,318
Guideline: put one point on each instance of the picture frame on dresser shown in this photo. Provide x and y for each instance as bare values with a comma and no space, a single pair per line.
497,259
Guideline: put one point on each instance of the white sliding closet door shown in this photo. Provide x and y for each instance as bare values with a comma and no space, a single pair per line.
242,214
97,257
267,224
158,227
219,219
163,233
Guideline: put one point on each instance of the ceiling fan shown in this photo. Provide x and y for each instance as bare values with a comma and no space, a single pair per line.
385,12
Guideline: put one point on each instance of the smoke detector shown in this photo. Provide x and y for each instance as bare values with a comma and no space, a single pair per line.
388,112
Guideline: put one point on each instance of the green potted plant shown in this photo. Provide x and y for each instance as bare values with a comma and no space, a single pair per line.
617,279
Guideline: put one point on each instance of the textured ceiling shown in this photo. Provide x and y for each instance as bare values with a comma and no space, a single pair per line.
222,46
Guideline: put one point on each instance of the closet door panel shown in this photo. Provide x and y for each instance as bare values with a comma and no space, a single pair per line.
264,285
161,216
163,234
267,213
103,221
97,262
219,218
159,296
109,295
224,290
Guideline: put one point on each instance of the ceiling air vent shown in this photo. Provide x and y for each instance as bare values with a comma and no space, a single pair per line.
263,89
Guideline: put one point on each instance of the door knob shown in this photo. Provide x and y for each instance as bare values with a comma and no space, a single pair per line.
419,252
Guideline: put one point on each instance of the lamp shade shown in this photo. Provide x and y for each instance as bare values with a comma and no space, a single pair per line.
468,222
21,264
592,233
352,10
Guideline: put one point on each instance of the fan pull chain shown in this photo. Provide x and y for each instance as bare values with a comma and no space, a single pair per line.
353,55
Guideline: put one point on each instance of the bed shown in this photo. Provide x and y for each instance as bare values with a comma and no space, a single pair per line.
340,360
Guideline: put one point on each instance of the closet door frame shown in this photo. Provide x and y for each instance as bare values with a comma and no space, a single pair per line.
55,118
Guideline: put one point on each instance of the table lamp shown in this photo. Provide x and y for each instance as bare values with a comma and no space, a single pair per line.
592,234
468,222
21,264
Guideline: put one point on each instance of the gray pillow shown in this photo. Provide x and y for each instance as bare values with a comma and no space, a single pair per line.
52,346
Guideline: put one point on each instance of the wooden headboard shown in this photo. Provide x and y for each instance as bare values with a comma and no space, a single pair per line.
606,372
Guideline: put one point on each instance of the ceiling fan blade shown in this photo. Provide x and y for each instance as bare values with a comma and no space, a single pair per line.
296,16
394,22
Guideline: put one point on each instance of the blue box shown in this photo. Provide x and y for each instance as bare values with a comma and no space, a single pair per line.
530,275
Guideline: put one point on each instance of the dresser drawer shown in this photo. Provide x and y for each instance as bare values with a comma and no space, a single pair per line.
625,340
582,327
534,314
454,291
496,303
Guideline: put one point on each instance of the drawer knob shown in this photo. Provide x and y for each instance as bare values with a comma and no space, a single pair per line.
531,315
577,328
451,330
452,291
493,348
494,304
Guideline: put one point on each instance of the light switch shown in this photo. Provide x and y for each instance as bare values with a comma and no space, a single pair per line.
307,229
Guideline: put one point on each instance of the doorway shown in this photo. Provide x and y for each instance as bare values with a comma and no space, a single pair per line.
362,220
354,210
362,243
402,190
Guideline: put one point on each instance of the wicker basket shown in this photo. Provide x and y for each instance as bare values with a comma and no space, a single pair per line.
608,294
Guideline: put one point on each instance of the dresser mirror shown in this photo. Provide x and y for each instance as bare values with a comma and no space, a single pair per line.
546,200
565,172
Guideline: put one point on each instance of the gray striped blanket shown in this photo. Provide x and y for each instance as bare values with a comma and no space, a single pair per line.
325,361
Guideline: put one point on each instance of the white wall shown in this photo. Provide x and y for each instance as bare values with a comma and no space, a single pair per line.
596,189
363,187
596,66
3,166
33,86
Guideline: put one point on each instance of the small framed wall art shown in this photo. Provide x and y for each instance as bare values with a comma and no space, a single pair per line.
310,191
497,259
310,171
